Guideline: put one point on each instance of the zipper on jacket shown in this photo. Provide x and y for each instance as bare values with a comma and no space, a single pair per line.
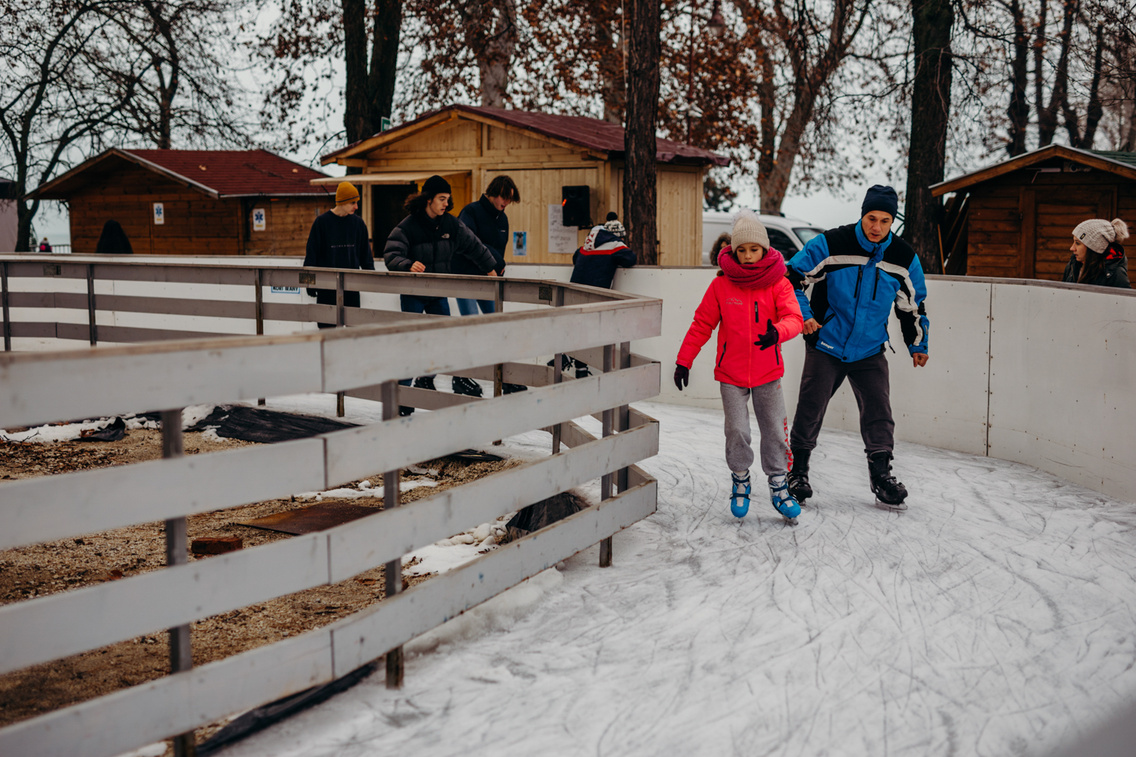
722,356
755,318
876,284
859,278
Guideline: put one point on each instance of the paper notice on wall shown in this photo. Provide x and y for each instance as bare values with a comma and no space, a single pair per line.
561,238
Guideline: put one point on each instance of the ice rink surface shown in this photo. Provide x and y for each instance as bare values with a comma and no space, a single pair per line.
994,617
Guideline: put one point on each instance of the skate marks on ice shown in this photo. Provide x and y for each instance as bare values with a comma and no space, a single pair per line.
993,617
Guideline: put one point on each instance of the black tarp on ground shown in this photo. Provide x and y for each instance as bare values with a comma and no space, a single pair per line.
257,424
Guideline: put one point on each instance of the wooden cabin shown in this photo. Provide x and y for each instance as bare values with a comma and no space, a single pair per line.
1015,219
542,153
193,202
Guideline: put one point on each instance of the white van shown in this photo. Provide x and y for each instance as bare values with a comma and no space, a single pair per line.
786,235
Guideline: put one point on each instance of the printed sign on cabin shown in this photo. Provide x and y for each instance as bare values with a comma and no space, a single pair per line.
159,214
258,220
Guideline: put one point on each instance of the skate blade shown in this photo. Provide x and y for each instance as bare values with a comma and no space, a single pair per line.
790,521
898,508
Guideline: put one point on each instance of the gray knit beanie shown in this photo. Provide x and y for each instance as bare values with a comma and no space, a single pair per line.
1097,234
747,228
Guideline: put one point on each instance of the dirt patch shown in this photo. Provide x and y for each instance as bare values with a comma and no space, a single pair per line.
66,564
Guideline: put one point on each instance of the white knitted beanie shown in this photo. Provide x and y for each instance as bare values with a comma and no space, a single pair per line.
1097,234
747,228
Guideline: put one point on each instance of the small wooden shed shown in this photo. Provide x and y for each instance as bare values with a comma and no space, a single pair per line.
542,153
193,202
1015,219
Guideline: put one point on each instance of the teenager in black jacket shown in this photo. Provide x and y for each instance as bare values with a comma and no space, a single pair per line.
339,239
487,220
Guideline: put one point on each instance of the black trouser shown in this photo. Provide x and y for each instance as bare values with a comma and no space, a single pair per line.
822,376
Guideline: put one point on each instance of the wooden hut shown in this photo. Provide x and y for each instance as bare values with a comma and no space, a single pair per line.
1015,219
543,154
193,202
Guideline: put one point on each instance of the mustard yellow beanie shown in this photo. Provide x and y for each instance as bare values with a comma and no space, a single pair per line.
346,192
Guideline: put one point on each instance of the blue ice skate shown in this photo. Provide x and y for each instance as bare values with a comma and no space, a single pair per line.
783,501
739,496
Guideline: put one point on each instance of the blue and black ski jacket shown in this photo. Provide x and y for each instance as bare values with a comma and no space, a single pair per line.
855,283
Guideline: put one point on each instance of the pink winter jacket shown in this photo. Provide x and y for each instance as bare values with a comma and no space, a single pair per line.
742,314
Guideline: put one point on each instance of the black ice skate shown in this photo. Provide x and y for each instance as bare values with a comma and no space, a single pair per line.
468,387
799,476
424,382
889,492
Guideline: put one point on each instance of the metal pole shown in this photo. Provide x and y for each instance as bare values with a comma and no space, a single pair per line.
623,418
557,373
606,481
339,321
258,289
92,326
392,571
181,650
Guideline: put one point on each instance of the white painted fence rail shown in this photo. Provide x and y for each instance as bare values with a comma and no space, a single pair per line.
365,361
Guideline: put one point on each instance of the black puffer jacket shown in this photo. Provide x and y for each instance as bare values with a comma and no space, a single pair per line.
434,242
1114,273
491,226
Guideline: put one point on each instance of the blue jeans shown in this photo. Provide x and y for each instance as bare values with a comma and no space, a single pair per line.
433,305
469,307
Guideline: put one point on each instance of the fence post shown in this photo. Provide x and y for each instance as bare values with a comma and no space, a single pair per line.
92,327
4,301
557,373
181,651
339,322
392,571
258,285
606,480
623,417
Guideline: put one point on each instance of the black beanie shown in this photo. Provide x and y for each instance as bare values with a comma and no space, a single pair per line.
435,185
881,198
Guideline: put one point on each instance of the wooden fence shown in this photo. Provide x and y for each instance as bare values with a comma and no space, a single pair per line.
367,362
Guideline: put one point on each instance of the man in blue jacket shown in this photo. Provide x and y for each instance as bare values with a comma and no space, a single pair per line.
857,273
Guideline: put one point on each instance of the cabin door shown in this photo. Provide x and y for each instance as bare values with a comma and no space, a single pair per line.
387,212
1056,211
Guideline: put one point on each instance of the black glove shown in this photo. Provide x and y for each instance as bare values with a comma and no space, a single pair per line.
770,337
682,376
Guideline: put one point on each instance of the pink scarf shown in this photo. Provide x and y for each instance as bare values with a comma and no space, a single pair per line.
761,275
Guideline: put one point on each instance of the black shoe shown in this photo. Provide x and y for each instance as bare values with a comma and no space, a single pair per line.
889,492
513,388
799,485
565,363
468,387
404,411
582,370
424,382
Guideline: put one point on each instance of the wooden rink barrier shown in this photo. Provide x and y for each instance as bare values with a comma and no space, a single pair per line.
167,372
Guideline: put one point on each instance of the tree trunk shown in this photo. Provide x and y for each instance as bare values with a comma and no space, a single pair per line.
639,181
612,87
496,59
1095,109
384,59
1018,111
930,111
1047,114
356,116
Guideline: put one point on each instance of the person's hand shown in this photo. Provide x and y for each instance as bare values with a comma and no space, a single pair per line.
811,326
919,359
770,337
682,376
491,273
417,266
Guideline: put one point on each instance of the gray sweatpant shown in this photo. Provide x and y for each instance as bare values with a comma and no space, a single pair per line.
772,423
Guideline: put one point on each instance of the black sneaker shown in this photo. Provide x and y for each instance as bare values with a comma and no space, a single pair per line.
468,387
424,382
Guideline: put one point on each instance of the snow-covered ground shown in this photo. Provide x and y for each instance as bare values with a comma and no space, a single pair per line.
995,617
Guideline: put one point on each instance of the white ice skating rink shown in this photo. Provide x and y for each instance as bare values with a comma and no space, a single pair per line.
995,617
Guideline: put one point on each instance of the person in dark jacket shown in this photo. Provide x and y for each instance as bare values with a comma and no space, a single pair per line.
45,246
339,239
113,240
1098,257
857,273
603,252
487,220
427,241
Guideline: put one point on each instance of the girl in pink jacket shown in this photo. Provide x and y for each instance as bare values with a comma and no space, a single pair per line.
756,308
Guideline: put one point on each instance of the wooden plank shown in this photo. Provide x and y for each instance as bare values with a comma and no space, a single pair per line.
35,330
368,634
44,629
359,452
38,388
38,299
181,273
371,356
124,720
362,544
168,305
136,334
34,510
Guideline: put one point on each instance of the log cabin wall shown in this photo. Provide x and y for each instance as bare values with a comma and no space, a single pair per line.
1021,224
471,154
287,223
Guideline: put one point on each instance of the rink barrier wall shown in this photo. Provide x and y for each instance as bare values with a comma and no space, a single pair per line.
45,386
1029,371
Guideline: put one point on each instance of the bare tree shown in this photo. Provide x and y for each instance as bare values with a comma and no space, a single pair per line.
933,21
639,174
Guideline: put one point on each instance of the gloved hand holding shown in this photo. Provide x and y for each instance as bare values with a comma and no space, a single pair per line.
682,376
770,337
